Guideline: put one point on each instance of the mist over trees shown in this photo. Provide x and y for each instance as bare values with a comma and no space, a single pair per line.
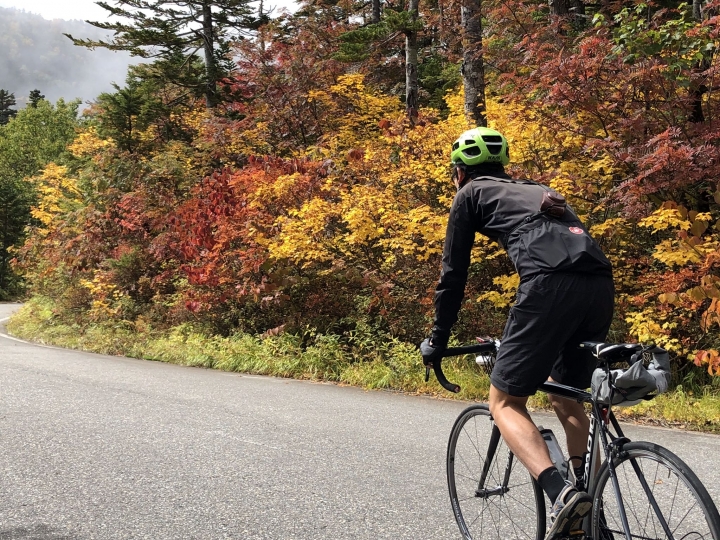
36,55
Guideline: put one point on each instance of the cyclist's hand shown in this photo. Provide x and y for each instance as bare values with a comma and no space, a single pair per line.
430,353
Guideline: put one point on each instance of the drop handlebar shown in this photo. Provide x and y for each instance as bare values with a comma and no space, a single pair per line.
488,346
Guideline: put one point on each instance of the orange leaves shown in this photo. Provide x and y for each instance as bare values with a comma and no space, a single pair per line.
711,358
711,315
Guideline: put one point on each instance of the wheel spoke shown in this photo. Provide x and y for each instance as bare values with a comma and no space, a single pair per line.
504,514
672,500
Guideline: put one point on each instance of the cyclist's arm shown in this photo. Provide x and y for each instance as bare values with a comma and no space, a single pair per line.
450,291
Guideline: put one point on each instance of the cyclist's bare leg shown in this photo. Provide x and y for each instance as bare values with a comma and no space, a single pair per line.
519,431
575,422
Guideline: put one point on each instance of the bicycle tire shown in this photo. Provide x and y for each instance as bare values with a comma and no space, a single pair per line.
682,500
504,514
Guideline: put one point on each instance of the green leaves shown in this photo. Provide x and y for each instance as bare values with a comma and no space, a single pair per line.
34,138
403,21
673,38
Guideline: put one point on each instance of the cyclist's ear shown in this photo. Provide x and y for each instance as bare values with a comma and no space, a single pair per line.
459,176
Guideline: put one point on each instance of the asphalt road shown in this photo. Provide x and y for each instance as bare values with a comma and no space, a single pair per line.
101,447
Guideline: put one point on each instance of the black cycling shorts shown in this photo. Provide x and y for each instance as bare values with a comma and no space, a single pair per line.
553,313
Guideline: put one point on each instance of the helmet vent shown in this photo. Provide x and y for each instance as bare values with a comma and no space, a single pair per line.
470,142
472,151
493,143
456,146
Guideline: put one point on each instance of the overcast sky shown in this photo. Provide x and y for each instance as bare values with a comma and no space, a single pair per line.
83,9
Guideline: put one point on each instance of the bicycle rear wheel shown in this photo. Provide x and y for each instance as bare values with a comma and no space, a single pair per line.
493,496
649,473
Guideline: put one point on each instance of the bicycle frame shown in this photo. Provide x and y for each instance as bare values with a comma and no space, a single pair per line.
601,416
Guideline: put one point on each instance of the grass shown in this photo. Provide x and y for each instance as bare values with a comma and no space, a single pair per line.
390,365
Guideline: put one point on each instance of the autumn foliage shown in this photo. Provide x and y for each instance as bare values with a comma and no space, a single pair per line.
309,202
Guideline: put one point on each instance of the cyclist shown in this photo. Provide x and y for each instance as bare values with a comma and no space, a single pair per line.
565,296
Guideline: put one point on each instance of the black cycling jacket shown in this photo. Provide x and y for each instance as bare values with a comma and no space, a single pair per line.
508,211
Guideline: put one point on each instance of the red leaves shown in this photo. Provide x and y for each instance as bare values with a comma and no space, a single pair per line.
638,111
216,229
192,306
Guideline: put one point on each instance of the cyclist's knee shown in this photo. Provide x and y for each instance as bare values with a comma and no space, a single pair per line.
500,400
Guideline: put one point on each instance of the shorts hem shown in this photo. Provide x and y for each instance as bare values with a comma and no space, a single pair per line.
512,389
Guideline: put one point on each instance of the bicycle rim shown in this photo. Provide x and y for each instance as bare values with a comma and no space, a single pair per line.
686,508
512,509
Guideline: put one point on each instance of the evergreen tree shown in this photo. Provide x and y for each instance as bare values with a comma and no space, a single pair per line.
124,115
7,101
174,31
35,97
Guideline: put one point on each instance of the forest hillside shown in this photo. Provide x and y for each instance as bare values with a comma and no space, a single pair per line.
271,195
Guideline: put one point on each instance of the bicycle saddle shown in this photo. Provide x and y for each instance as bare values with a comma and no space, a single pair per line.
611,352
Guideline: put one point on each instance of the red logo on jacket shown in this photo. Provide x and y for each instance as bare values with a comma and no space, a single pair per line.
576,230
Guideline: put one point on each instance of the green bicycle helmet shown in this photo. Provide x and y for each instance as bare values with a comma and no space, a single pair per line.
480,145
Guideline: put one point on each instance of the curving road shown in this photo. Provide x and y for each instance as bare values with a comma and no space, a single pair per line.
101,447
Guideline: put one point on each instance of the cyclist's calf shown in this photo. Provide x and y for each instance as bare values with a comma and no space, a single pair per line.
519,431
575,422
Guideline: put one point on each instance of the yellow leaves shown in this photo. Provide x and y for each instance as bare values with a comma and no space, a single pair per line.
358,110
419,232
508,285
196,119
609,227
665,218
105,295
362,220
285,185
688,247
650,326
56,194
674,253
89,143
304,234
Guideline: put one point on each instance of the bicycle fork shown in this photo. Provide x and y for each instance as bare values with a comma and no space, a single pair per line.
612,449
482,492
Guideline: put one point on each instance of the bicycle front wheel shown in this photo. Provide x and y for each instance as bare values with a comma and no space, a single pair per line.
662,497
493,496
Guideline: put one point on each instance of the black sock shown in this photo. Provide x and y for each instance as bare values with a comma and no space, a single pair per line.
552,483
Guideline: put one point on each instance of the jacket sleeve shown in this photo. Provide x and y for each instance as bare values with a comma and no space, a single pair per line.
450,291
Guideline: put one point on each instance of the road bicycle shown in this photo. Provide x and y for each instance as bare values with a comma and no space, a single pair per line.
641,491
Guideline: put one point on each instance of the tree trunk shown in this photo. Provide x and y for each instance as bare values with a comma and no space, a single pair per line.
473,69
411,65
697,88
697,10
261,30
210,64
559,7
375,11
574,8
